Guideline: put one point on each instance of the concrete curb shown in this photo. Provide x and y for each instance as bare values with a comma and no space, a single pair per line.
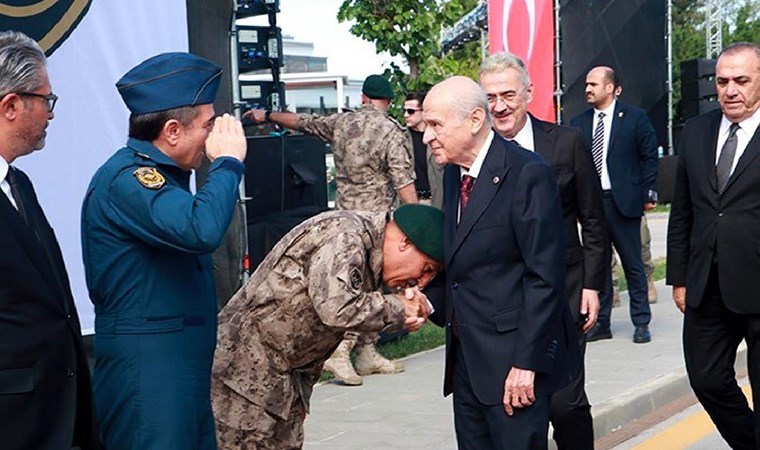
611,415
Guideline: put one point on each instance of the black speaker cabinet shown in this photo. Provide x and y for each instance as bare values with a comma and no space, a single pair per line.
698,89
697,68
284,173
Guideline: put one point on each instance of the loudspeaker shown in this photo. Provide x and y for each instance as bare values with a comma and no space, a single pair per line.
698,89
283,173
666,175
286,183
693,108
697,68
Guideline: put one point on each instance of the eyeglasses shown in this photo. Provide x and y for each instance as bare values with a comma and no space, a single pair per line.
50,99
411,111
508,97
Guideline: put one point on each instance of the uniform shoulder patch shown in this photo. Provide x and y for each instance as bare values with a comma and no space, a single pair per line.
149,177
356,279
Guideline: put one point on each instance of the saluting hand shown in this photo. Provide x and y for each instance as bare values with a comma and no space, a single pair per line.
226,139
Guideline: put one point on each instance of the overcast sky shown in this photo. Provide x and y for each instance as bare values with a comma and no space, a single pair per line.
316,21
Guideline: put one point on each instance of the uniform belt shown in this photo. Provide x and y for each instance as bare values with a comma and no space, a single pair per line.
146,325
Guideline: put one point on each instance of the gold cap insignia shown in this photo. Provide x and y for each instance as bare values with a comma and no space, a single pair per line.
149,177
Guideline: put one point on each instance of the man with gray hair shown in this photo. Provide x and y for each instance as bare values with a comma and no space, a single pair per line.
509,91
510,342
45,393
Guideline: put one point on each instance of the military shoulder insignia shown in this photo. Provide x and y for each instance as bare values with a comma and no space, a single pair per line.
356,279
149,177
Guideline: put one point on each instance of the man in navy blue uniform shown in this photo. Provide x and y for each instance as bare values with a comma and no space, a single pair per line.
147,244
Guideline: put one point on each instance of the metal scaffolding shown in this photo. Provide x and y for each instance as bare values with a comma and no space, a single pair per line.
714,27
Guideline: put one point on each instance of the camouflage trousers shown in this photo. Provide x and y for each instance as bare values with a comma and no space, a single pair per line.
242,425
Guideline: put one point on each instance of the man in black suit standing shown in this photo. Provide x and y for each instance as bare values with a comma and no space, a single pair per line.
510,341
624,150
45,395
509,90
713,256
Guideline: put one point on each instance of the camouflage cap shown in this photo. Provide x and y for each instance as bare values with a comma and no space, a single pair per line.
377,86
423,225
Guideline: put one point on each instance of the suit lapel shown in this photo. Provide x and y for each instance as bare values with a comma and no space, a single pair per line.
32,239
543,140
490,179
709,153
618,115
750,153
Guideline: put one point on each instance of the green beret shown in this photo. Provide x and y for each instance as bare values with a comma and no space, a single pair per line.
423,225
376,86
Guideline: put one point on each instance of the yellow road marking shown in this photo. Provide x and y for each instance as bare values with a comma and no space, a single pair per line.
685,432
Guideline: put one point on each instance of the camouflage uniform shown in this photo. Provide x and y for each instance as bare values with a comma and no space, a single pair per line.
373,156
320,280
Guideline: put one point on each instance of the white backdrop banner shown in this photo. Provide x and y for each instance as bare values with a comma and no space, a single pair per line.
91,121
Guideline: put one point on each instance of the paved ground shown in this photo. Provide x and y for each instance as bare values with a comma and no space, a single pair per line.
625,381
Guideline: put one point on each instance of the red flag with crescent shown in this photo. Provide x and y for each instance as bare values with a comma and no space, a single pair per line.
526,29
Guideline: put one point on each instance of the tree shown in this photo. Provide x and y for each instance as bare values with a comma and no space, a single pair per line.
406,28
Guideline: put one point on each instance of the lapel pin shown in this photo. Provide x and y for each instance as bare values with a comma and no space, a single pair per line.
496,180
620,114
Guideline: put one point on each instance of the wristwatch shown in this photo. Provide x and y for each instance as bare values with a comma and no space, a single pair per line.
267,115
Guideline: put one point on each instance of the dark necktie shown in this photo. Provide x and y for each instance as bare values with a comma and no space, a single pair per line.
13,181
597,145
726,158
464,191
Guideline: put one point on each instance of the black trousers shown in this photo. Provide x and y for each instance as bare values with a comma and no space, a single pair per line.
711,336
625,233
488,427
570,412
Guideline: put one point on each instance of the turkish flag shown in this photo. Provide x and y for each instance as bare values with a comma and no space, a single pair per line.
526,29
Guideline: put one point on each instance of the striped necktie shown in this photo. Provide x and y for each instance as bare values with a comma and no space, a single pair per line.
597,145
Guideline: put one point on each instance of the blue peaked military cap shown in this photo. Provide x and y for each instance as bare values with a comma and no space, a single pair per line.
168,81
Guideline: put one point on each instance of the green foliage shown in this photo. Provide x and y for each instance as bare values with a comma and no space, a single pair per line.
411,29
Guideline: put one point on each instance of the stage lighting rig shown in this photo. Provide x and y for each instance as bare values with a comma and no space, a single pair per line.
250,8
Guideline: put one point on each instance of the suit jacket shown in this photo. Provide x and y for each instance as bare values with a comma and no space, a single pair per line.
631,156
44,377
706,226
505,275
580,190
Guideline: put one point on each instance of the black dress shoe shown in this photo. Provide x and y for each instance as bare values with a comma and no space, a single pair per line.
598,333
642,335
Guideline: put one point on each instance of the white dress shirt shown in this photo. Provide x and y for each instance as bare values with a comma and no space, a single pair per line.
4,185
524,137
608,113
746,130
474,170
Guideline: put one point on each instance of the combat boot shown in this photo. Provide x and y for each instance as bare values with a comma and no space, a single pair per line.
369,361
340,366
615,298
651,292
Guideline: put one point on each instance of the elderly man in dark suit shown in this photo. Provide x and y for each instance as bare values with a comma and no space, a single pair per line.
624,149
45,393
713,256
509,91
510,342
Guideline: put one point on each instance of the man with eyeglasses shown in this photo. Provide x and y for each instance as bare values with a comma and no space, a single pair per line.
429,173
374,167
45,392
509,90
